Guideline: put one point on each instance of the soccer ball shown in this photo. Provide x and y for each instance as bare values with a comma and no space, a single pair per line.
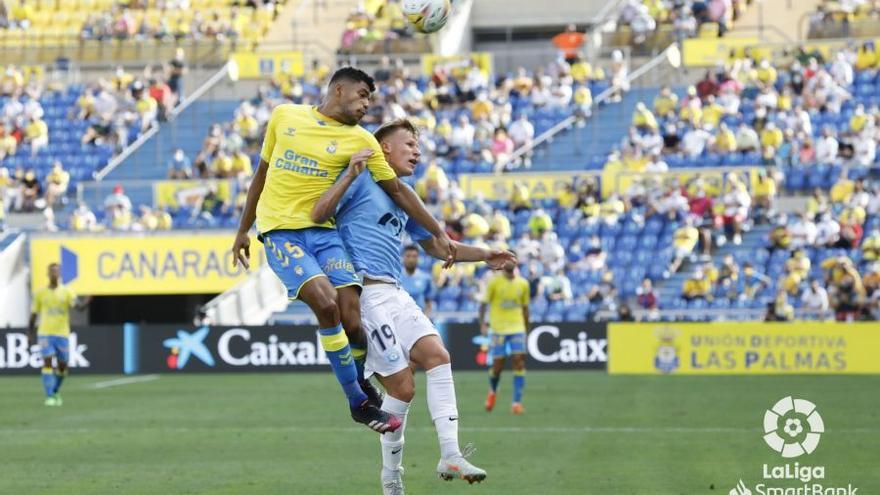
428,16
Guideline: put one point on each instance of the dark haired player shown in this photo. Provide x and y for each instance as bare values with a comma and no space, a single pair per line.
304,150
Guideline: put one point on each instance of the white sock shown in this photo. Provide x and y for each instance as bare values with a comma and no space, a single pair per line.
443,408
392,443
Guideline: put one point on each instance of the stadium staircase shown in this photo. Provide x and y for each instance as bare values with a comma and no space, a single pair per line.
587,147
752,241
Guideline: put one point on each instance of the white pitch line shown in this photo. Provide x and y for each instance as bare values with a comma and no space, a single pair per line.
124,381
486,429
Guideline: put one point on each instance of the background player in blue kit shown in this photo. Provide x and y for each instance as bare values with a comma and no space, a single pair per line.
398,332
417,283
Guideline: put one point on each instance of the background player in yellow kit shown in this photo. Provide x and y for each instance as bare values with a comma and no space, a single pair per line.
507,298
52,306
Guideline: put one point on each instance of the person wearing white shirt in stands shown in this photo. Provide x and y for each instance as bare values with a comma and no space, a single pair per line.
826,147
656,165
827,231
864,149
463,134
652,143
695,142
803,232
747,139
521,131
816,298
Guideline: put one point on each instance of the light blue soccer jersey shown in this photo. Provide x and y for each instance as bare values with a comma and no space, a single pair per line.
418,286
370,225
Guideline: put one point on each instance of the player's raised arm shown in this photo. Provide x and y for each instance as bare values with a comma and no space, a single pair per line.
495,258
326,206
404,197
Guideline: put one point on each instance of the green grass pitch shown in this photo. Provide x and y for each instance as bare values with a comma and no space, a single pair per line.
583,433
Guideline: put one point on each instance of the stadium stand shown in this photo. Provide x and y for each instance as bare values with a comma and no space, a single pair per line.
55,135
54,22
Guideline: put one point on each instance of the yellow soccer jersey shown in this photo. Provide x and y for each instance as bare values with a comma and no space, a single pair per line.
506,299
306,151
53,307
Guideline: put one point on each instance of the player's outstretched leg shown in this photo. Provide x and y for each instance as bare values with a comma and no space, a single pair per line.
321,297
444,412
443,407
350,313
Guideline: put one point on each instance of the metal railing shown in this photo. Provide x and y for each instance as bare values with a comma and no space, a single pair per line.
144,138
663,58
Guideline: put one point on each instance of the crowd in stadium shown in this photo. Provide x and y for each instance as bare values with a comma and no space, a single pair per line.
373,26
53,135
809,125
163,20
686,17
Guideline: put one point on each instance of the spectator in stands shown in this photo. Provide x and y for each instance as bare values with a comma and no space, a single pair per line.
803,231
31,190
37,135
522,131
697,286
520,197
569,43
851,230
502,148
101,132
551,252
179,166
728,276
747,139
780,309
764,192
737,204
827,147
462,138
8,142
647,298
117,199
815,298
643,119
665,102
556,287
161,93
603,296
656,164
848,296
83,219
780,235
684,241
725,141
619,76
827,231
753,281
56,184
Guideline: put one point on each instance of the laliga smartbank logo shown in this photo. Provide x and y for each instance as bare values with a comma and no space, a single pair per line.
793,428
801,430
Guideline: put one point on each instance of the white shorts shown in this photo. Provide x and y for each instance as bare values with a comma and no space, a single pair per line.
393,323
